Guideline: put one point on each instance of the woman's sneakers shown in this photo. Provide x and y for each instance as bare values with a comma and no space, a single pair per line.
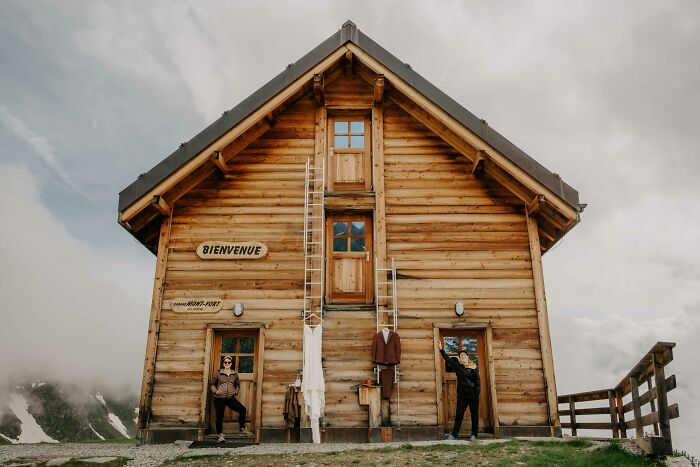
245,432
221,438
473,438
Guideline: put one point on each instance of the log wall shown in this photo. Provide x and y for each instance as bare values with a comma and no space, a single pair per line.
455,236
264,202
458,237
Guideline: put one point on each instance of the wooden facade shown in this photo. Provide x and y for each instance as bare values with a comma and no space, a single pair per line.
408,183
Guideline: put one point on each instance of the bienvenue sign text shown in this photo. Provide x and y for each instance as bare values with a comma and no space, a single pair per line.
231,250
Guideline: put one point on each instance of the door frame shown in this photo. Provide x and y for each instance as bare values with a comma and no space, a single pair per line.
205,400
368,216
492,401
365,116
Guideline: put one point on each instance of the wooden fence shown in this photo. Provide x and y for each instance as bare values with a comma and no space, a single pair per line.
650,367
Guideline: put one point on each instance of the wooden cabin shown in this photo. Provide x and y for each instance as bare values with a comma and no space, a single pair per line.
409,201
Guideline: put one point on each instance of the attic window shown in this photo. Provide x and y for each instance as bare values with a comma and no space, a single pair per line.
349,134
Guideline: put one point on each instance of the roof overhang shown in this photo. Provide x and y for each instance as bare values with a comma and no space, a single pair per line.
542,191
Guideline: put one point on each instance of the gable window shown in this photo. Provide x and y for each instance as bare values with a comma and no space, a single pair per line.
349,154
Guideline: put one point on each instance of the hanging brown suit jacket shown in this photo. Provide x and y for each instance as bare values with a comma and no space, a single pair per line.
388,353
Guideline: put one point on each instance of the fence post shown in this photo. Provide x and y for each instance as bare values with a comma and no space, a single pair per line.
621,413
634,388
572,410
652,402
613,413
660,381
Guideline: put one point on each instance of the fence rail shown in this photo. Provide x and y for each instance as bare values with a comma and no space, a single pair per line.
649,369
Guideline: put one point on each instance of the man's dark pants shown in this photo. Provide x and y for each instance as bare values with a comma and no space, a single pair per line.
462,404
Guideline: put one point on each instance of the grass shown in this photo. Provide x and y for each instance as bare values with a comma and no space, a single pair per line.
576,453
118,462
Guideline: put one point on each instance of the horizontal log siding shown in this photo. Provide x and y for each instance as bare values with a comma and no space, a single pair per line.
265,202
458,237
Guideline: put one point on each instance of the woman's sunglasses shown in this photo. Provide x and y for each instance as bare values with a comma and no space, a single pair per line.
227,362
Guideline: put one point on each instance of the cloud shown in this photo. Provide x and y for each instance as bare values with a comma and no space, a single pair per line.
40,146
62,319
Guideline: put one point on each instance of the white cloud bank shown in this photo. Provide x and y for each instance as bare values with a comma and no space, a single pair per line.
62,318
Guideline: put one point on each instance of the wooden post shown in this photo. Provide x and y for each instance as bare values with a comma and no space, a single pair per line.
660,381
572,411
543,321
153,329
636,407
386,412
652,403
621,413
375,407
613,414
259,383
438,378
492,383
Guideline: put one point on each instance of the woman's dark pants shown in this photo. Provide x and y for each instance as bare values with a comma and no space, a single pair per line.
462,404
233,404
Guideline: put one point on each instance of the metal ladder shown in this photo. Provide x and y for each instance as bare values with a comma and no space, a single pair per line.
387,316
314,243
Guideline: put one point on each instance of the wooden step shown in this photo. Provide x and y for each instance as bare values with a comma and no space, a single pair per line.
358,307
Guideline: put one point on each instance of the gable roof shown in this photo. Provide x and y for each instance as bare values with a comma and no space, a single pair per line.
348,33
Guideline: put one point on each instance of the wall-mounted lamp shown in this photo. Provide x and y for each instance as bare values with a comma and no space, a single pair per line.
238,309
459,309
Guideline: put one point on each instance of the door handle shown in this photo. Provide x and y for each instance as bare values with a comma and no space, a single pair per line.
367,255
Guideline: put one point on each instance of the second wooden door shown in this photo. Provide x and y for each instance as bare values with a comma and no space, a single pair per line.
349,268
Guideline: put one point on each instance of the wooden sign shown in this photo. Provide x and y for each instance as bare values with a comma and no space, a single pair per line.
229,250
199,305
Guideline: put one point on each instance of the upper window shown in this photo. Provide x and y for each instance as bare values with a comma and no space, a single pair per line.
348,134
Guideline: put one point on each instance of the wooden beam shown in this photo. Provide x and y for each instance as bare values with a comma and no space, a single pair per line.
153,329
160,205
660,381
543,322
348,63
220,163
478,164
319,96
378,90
255,117
438,378
492,383
535,205
636,406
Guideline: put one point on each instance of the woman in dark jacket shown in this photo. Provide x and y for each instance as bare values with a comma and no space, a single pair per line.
468,390
225,388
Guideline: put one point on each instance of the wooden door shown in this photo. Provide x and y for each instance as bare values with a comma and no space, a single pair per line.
349,272
242,347
349,164
473,342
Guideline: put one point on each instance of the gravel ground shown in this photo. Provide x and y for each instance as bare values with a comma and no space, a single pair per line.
154,455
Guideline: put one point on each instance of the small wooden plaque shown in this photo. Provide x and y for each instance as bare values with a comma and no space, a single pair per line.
197,305
231,250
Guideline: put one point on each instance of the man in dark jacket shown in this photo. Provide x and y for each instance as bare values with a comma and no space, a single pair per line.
468,390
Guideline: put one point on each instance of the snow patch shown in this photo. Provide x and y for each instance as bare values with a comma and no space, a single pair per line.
101,398
31,432
98,435
113,419
117,424
38,384
13,441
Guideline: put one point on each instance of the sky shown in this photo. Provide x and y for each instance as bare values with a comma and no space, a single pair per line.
604,93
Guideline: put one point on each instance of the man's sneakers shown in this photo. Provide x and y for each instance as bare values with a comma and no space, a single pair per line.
452,437
221,438
473,438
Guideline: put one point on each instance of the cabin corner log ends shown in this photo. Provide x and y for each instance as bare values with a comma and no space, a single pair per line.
649,372
407,180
